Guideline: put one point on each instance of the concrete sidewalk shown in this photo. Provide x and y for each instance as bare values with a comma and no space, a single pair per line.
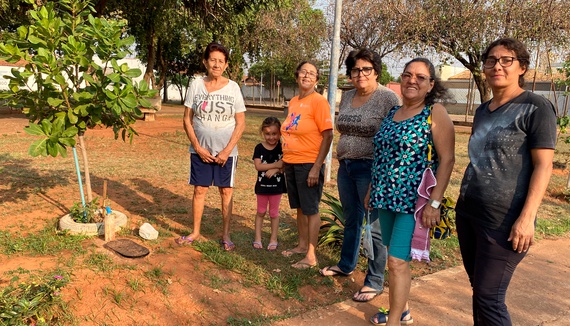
539,294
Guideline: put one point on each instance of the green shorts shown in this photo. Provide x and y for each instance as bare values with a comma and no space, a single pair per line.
397,230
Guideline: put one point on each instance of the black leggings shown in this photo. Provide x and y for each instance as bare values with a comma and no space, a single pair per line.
490,262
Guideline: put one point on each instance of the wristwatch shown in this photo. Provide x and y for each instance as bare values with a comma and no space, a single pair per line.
434,203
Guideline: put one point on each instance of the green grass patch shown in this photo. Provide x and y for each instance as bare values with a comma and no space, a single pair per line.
46,242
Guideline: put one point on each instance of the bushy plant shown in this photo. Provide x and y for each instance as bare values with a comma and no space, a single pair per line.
35,301
87,213
332,228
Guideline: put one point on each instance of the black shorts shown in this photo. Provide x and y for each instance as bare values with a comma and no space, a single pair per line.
300,194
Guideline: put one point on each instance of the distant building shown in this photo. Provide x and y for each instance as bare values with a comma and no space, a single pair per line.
444,72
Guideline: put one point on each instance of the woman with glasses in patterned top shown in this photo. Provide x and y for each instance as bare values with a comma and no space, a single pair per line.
510,151
400,158
361,112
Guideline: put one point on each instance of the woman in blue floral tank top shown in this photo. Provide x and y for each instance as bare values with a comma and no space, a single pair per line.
400,157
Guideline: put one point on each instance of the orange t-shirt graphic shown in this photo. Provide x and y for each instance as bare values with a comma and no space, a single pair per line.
301,131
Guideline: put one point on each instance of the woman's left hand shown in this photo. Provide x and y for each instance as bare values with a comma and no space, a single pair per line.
313,177
430,216
222,158
522,235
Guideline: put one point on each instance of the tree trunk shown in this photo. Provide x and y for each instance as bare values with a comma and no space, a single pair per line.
165,93
151,49
85,168
161,62
484,89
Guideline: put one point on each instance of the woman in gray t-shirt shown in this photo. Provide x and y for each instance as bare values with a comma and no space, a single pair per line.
360,115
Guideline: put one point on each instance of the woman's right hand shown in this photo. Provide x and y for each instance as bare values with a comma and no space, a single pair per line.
206,156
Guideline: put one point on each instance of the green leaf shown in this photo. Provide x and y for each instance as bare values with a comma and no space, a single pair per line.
52,148
70,132
81,96
110,94
115,65
89,78
61,80
144,103
114,77
67,141
55,102
35,40
62,149
46,127
130,101
72,117
133,73
38,148
34,129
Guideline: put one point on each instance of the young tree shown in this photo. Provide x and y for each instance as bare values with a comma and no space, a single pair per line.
62,89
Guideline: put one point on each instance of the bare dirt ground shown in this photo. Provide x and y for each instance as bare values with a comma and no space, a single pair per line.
173,285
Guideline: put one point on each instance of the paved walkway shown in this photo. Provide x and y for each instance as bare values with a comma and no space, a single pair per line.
539,294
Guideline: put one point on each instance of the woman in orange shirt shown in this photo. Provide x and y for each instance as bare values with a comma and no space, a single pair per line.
307,137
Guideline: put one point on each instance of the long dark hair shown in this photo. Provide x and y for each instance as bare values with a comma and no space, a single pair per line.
438,92
518,48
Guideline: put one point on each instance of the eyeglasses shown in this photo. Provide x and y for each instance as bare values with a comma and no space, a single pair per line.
306,73
366,71
490,62
419,78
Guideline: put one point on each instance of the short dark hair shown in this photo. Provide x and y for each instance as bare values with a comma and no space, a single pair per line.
213,47
517,47
438,92
366,55
304,62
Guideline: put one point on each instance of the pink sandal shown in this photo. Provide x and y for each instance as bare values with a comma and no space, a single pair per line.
184,240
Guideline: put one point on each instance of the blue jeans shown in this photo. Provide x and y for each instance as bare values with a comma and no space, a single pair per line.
353,180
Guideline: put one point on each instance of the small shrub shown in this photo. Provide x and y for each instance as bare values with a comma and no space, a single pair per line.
36,301
86,214
332,228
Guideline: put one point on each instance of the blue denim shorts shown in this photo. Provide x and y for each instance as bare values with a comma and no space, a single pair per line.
212,174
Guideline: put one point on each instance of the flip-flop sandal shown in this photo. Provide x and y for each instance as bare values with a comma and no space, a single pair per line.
290,252
381,318
301,265
184,240
272,246
374,293
257,245
329,271
227,245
